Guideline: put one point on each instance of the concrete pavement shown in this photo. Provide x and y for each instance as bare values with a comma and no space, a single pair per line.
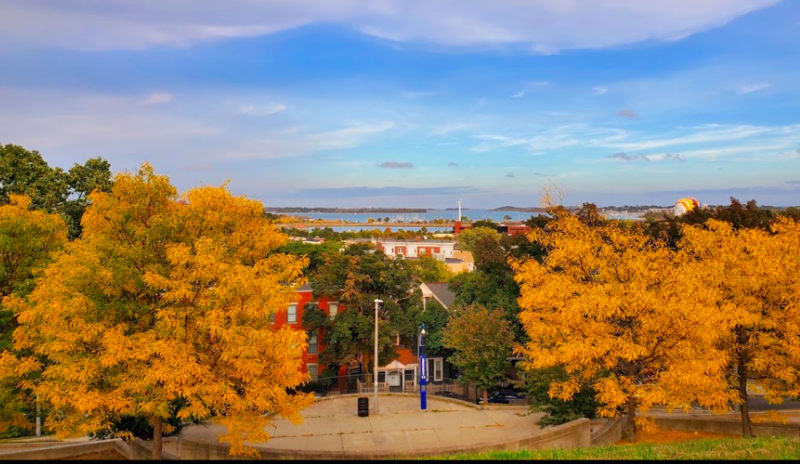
333,425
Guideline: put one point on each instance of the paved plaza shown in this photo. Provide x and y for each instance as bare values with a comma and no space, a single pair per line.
334,425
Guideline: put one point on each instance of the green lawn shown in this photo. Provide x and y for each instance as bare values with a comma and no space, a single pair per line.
730,448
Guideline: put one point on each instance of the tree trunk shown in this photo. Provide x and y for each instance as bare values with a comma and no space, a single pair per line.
629,432
485,396
38,417
747,430
157,443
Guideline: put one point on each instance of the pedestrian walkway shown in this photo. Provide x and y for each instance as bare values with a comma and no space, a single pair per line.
333,425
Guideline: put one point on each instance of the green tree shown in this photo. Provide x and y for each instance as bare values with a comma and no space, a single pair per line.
50,189
314,253
468,239
356,278
481,340
484,223
582,404
429,269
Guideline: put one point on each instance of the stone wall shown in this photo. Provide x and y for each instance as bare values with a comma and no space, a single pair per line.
727,424
573,434
608,433
61,450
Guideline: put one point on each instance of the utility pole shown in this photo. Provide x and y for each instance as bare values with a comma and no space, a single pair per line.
375,369
423,371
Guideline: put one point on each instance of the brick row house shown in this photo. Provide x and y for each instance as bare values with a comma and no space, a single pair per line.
402,372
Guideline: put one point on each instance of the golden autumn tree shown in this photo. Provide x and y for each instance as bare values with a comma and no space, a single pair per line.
620,313
27,238
164,301
756,277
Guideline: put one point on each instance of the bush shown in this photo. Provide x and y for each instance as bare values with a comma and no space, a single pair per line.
537,384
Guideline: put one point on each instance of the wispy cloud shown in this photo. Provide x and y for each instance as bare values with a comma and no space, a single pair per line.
674,156
538,27
793,181
510,175
710,133
264,110
156,98
396,165
452,165
280,145
628,114
627,157
599,90
528,87
449,128
748,88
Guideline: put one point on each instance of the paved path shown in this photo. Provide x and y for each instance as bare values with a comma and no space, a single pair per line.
334,425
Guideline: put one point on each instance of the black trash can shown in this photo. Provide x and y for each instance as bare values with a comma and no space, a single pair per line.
363,407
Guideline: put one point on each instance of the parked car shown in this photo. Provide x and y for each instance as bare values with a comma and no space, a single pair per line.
503,396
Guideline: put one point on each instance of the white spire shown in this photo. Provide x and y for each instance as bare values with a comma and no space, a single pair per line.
459,209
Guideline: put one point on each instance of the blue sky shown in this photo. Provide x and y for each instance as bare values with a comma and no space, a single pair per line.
416,103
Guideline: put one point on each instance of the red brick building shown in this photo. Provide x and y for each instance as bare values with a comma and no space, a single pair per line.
293,317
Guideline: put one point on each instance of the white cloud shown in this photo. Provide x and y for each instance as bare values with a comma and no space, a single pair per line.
599,90
542,26
156,98
702,134
265,110
747,88
528,87
281,145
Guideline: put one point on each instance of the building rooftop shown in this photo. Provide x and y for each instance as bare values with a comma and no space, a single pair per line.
442,293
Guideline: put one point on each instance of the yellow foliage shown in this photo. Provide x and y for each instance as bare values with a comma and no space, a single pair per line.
755,275
619,310
27,240
770,417
167,298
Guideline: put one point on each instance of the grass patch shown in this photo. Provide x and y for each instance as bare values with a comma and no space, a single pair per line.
783,448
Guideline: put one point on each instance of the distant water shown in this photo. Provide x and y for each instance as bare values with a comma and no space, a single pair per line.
435,229
473,214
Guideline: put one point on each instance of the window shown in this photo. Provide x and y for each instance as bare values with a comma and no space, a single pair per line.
291,314
312,343
272,317
435,369
333,309
313,372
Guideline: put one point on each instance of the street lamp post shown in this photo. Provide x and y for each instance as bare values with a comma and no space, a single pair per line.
375,369
423,373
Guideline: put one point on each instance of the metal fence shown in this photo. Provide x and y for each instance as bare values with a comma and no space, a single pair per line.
363,384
